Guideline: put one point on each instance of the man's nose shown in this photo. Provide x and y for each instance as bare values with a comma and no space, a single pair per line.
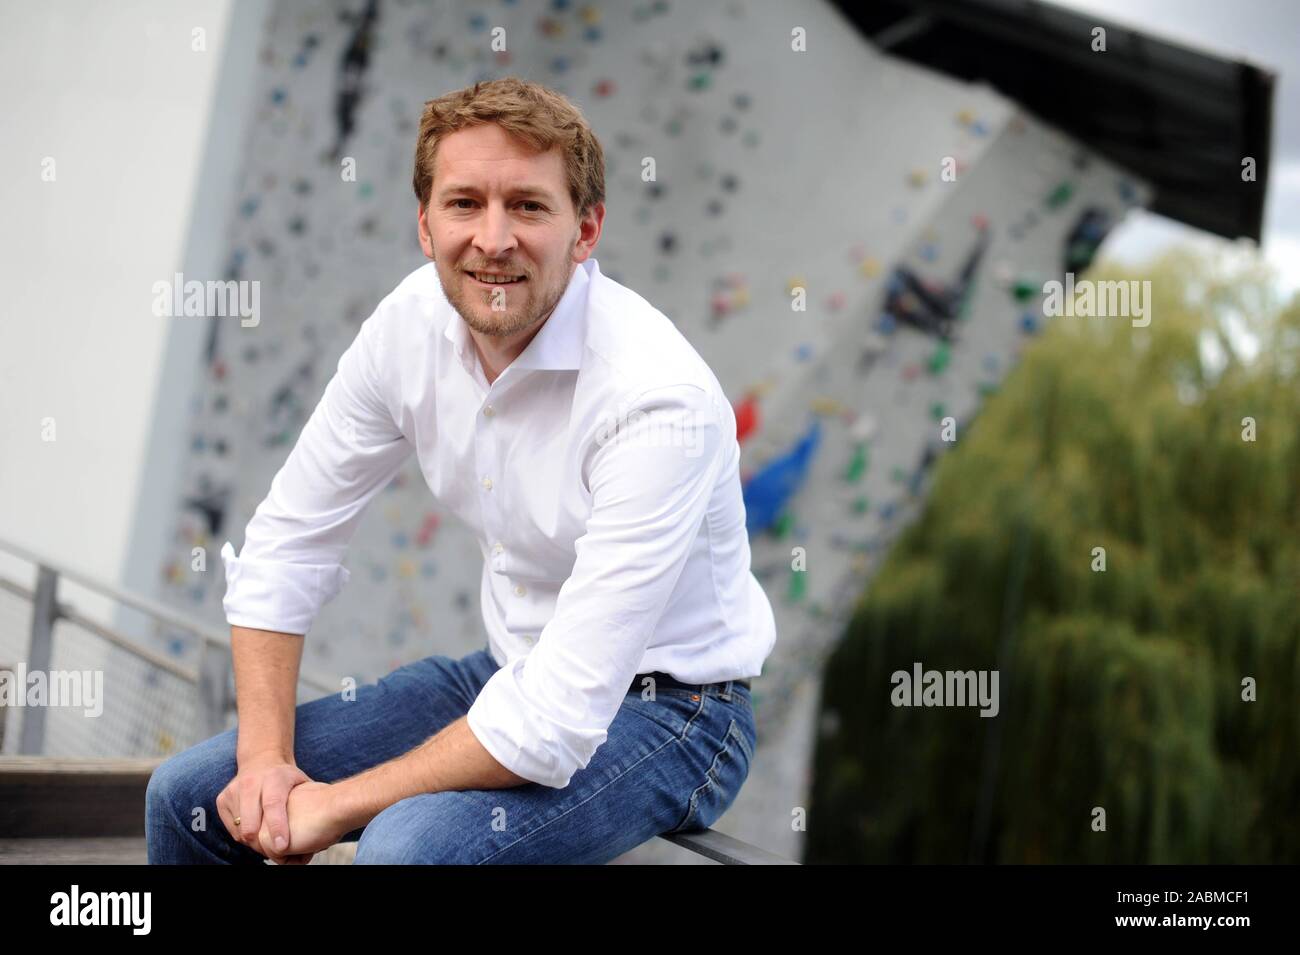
495,235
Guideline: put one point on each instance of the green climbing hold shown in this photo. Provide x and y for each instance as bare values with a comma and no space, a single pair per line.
782,525
1025,289
858,466
798,585
1060,195
937,410
861,505
939,360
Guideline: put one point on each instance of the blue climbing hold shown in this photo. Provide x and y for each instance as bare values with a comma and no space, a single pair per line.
767,492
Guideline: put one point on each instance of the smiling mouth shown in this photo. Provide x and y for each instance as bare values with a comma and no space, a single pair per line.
492,279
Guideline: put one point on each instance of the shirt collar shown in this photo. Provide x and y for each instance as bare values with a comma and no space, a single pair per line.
559,343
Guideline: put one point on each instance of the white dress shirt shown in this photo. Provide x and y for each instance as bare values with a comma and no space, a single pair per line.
600,473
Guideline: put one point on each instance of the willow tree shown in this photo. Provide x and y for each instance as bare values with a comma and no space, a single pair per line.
1118,535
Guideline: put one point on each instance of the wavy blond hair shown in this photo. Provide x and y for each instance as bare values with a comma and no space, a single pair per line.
539,116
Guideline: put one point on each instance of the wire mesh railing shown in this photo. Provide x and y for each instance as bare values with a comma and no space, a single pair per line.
78,687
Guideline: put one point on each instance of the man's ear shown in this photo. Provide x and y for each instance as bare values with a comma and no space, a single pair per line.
422,227
589,228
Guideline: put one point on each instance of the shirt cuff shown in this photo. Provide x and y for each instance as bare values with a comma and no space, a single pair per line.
277,595
522,738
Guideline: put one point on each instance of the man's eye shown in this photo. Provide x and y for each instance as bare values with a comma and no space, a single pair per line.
538,207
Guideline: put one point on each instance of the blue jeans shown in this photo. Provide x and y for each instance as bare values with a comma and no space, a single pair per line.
672,765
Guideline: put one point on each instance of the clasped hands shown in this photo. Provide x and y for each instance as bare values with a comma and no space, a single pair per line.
283,814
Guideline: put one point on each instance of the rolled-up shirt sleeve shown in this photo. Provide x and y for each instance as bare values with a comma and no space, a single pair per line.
348,450
651,476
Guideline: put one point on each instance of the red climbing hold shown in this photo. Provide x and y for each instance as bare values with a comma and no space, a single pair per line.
746,417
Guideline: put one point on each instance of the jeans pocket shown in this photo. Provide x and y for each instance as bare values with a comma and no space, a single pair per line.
726,774
673,711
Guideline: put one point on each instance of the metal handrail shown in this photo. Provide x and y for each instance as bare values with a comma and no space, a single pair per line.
149,608
725,849
65,612
213,671
212,676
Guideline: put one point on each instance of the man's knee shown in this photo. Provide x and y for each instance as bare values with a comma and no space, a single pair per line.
184,787
172,802
429,829
161,795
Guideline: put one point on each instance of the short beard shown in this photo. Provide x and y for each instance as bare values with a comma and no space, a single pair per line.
510,322
502,323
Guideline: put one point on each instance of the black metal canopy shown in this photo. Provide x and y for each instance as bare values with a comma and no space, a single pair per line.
1181,118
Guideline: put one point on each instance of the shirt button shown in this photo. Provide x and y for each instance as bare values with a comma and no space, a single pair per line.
498,547
489,411
519,590
487,483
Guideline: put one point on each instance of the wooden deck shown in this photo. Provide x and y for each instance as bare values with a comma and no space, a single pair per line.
124,850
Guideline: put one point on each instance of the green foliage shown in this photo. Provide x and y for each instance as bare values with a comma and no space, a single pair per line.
1119,689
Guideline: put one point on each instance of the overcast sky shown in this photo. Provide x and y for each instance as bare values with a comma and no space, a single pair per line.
1266,32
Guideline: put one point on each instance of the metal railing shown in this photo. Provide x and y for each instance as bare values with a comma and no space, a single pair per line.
191,703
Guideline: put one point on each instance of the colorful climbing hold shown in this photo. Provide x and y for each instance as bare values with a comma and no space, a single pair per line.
858,466
746,417
939,359
1060,195
798,585
1023,289
826,406
768,491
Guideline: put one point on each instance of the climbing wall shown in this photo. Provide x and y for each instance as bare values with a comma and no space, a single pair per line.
783,178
